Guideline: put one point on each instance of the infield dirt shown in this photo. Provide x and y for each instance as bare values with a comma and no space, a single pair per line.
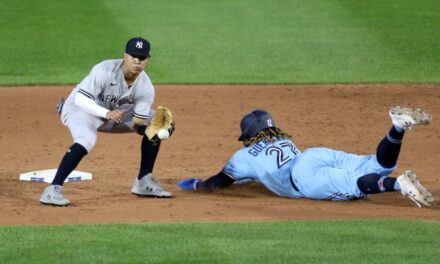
353,118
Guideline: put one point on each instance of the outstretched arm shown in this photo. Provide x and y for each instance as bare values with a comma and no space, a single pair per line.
217,181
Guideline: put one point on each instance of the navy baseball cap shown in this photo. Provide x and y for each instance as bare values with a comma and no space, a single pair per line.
138,47
253,122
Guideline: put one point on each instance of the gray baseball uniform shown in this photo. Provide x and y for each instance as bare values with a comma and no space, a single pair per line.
116,96
106,86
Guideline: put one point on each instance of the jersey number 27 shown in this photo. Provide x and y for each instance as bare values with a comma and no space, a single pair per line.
282,157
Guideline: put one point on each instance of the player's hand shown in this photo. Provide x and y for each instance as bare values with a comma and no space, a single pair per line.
191,184
115,115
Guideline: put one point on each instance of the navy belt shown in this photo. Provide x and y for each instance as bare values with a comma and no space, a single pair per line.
293,184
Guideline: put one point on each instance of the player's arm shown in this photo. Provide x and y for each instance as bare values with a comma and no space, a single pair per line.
92,85
90,106
219,180
142,113
235,170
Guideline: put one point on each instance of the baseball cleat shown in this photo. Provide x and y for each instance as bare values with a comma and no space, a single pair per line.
54,195
411,187
405,117
149,186
189,184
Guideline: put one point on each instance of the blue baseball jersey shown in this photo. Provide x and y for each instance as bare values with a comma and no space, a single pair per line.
317,173
268,163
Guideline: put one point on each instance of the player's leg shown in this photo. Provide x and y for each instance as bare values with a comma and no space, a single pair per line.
403,119
361,172
145,184
83,128
328,174
375,183
387,154
336,175
388,149
149,152
149,149
407,183
320,174
69,162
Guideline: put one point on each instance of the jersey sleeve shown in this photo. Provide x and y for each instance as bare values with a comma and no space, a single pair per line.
143,100
90,106
238,168
93,84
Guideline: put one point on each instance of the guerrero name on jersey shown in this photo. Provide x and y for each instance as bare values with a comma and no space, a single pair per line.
260,161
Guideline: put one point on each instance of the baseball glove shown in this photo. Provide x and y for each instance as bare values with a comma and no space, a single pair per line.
161,126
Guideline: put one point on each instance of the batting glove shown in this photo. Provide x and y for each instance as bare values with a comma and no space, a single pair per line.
189,184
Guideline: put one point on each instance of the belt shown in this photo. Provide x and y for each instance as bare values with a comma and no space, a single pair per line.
293,184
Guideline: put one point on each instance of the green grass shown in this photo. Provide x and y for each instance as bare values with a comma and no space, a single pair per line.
281,242
225,41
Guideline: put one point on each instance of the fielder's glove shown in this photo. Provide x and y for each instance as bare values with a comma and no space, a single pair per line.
161,126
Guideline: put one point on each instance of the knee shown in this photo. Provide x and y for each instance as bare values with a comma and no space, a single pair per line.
368,183
88,144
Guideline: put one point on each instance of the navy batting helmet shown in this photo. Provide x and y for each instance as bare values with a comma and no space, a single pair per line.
253,122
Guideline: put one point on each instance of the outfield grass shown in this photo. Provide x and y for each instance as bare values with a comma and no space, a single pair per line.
282,242
225,41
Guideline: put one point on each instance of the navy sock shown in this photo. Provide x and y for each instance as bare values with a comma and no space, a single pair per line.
69,162
149,151
389,148
389,183
376,183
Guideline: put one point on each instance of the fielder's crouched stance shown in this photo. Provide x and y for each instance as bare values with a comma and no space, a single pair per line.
270,157
115,97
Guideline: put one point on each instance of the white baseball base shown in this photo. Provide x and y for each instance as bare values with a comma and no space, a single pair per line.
49,175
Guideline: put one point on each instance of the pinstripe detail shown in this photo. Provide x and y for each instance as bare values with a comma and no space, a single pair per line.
89,95
392,140
140,116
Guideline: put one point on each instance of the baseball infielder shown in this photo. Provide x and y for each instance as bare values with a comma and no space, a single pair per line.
269,156
116,97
